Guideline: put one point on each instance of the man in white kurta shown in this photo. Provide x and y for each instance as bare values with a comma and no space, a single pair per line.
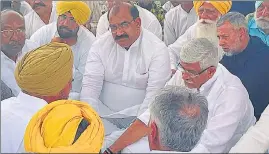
40,86
33,20
149,22
230,110
125,68
80,47
177,21
13,47
208,13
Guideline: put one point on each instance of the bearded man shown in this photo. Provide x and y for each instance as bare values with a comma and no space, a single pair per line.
208,14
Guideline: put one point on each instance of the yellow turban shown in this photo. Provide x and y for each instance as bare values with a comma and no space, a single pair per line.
53,129
46,70
80,10
222,6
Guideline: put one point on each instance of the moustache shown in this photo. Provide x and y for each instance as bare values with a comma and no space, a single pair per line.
63,27
38,4
121,36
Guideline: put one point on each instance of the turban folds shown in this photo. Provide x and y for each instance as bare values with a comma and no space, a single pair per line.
53,129
46,70
258,4
222,6
79,10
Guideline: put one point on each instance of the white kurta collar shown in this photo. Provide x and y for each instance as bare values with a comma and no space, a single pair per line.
206,87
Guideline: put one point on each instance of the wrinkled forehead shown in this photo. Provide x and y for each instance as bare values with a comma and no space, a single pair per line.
11,19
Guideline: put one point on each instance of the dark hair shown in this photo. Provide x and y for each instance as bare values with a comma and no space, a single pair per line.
133,11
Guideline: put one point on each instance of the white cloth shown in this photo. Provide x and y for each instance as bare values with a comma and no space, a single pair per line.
8,67
25,8
176,22
80,51
33,21
256,139
124,81
230,112
148,21
168,6
16,112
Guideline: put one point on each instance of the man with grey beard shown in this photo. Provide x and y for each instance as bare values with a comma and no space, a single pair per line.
245,57
258,22
208,13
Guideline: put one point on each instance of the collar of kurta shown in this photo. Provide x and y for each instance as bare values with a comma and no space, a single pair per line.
207,85
137,42
6,59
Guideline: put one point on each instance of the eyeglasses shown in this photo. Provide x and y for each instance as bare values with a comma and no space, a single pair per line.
10,32
123,25
192,74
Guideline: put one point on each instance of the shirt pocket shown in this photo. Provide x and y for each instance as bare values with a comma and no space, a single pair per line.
141,80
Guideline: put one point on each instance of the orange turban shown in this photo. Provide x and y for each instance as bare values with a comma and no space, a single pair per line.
222,6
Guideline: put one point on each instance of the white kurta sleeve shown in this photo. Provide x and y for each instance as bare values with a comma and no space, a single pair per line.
169,31
93,78
156,28
222,126
40,37
159,74
175,48
102,26
256,140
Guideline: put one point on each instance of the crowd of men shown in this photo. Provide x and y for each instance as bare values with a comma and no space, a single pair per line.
148,77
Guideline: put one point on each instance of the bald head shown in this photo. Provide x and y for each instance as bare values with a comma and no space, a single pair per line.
7,13
123,7
13,33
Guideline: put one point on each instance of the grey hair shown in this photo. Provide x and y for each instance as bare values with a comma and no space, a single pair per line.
200,50
178,129
237,19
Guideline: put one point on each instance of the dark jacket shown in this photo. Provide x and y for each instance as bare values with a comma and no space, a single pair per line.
251,67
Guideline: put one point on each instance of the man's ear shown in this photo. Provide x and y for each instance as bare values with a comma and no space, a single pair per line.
243,32
154,132
211,71
138,22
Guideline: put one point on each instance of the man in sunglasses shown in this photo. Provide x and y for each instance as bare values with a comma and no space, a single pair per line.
230,110
13,46
125,68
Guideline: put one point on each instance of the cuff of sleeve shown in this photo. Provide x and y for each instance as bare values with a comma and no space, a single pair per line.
145,117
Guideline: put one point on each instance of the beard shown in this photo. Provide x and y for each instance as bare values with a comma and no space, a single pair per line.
262,22
66,33
208,29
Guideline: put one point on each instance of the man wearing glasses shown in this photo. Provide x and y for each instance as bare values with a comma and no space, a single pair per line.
13,46
125,68
230,110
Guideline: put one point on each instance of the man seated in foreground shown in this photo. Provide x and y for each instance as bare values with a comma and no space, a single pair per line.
44,75
230,110
178,117
53,130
